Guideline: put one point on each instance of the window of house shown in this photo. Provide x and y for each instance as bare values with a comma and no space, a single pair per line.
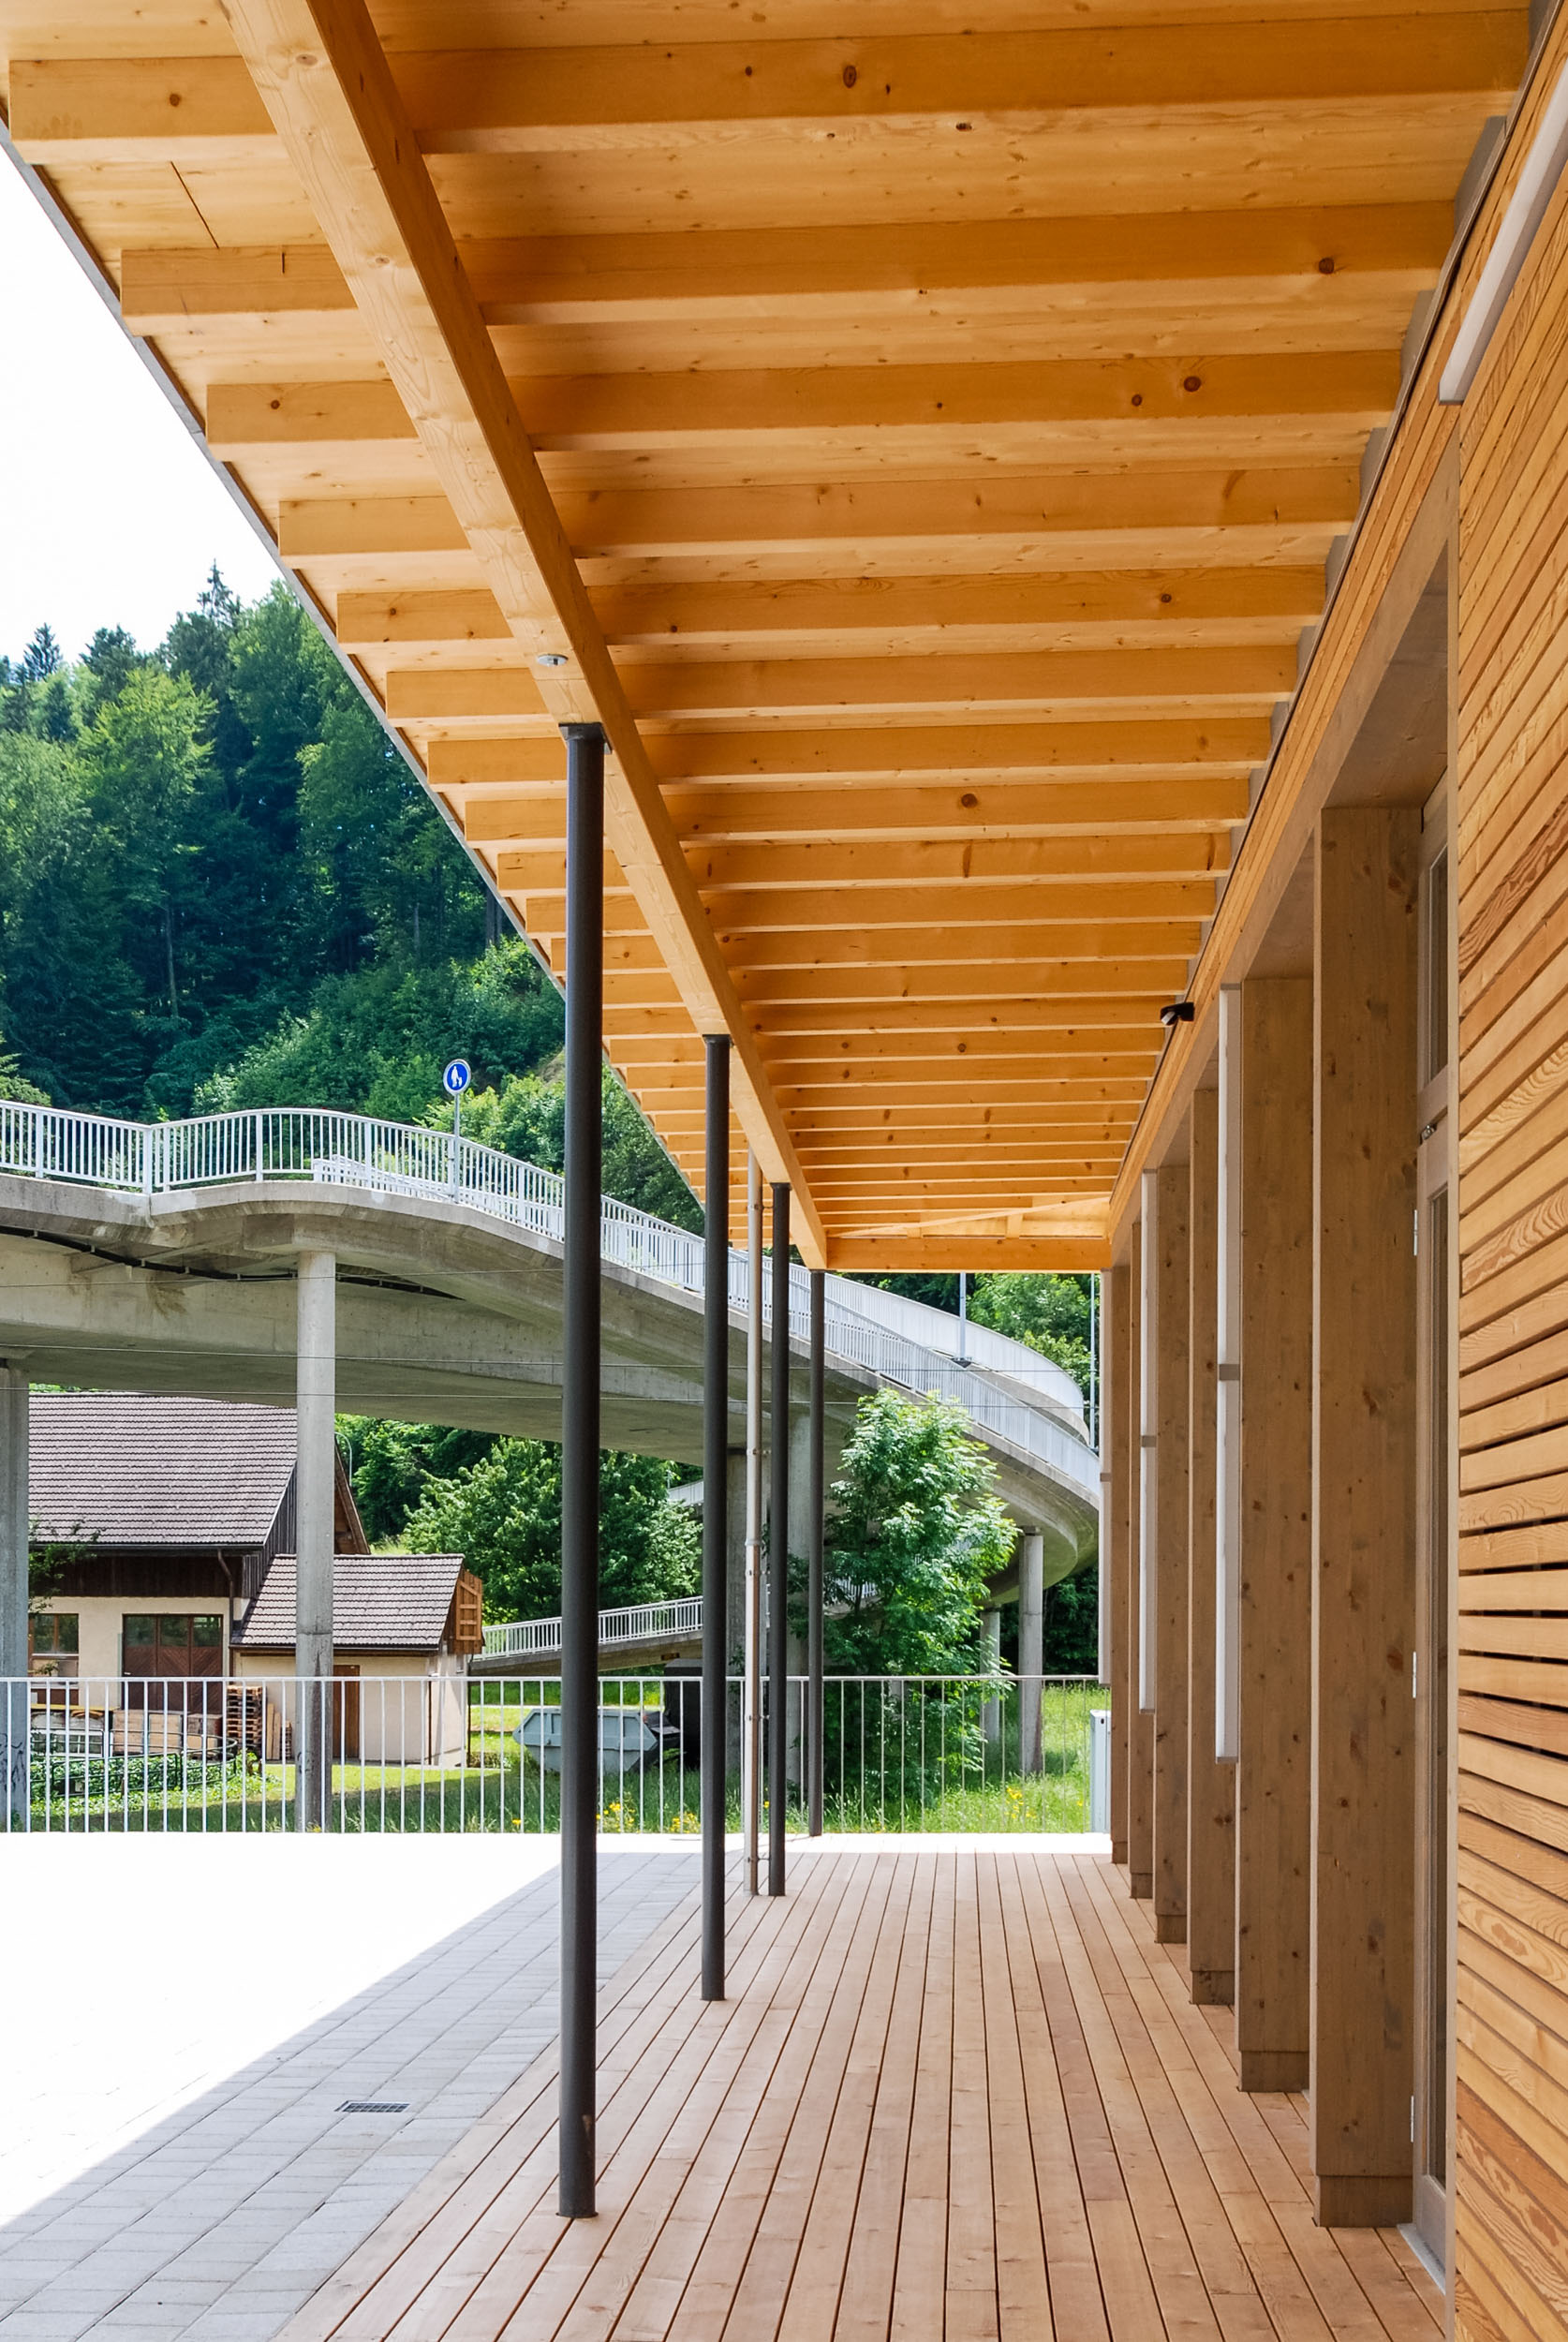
54,1641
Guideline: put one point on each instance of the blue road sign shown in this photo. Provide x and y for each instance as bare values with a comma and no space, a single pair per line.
456,1080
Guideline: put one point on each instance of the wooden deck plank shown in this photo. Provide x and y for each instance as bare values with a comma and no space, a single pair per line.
1076,2304
1313,2285
591,2277
1127,2287
822,2140
1023,2291
676,2281
953,2096
688,2101
920,2280
813,2310
1184,2303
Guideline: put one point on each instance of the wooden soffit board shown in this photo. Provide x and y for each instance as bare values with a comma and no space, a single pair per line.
919,448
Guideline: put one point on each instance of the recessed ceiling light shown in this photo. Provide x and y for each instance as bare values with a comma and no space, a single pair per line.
551,659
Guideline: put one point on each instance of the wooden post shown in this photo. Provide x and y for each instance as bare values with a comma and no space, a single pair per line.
1167,1303
1273,1790
1364,1427
1116,1527
1140,1726
1210,1785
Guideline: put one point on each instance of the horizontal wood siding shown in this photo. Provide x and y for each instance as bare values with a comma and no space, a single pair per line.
1511,2049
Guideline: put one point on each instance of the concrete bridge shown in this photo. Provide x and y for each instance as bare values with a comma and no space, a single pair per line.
163,1257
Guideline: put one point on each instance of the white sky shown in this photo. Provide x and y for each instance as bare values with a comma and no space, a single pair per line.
108,514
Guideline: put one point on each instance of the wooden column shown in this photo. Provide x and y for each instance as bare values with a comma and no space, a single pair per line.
1116,1526
1140,1726
1363,1970
1167,1302
1210,1785
1273,1790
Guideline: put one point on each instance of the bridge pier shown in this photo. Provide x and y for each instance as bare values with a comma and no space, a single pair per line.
1031,1646
315,1477
13,1584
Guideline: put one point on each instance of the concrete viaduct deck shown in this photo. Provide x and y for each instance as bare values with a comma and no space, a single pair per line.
448,1302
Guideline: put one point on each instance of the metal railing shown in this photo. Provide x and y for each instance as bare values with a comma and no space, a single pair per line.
403,1158
447,1754
643,1621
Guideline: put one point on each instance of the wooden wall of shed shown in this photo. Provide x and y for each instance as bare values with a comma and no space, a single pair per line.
1511,2244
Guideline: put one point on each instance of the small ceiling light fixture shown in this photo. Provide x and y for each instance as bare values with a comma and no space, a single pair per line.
551,659
1176,1012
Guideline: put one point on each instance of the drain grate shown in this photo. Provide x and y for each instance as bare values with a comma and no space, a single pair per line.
373,2106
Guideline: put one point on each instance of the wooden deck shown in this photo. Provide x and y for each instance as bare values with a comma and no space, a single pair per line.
951,2094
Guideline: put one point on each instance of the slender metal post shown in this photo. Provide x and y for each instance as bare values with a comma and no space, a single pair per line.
813,1531
315,1491
580,1371
751,1687
715,1510
778,1548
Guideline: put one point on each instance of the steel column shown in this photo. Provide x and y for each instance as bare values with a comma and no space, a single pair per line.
752,1693
715,1523
580,1373
779,1547
814,1532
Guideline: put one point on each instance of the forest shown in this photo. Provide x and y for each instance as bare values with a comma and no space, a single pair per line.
221,886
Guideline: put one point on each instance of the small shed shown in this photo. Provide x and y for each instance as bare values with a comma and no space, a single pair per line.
403,1626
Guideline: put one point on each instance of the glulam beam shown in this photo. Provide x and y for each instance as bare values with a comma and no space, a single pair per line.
736,408
1155,512
528,279
499,101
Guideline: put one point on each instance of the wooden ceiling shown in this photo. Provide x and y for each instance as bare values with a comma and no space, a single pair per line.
918,436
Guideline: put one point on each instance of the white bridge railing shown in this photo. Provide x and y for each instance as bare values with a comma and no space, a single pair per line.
644,1622
406,1159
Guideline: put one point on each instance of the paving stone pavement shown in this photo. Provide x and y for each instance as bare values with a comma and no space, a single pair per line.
220,2218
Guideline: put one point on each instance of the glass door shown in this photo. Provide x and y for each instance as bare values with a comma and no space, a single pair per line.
1436,1464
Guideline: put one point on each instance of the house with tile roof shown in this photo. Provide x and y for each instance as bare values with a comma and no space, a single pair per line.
159,1518
403,1627
169,1524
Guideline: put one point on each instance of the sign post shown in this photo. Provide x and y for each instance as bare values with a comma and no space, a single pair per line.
454,1081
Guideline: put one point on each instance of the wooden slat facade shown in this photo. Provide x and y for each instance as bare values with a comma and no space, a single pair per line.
1512,1647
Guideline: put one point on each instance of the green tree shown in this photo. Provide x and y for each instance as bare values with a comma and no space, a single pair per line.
503,1515
916,1534
1049,1312
1071,1639
391,1464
